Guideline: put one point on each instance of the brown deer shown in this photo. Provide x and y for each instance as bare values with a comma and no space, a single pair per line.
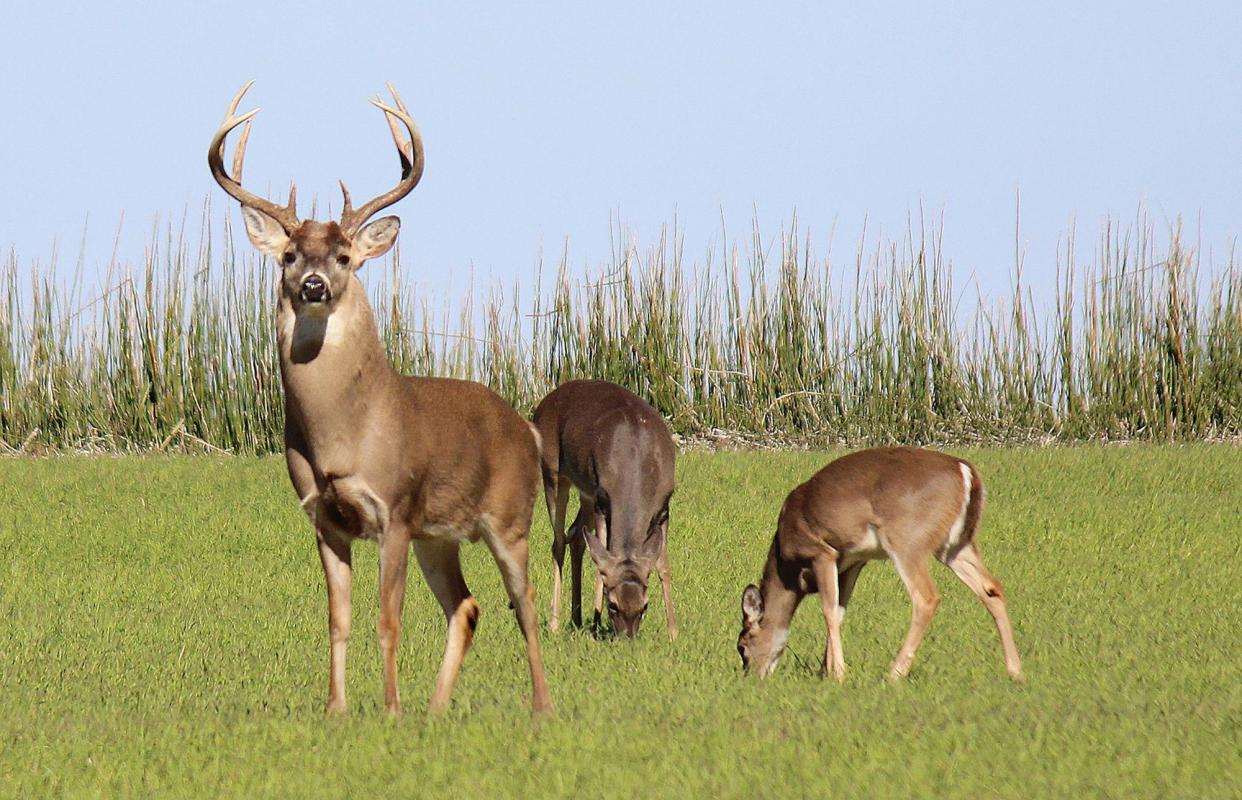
900,503
376,455
618,452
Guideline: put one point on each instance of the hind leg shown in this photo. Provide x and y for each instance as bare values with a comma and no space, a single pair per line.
968,566
510,551
441,566
556,493
924,598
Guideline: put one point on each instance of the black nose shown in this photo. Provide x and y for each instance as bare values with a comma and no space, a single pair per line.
314,290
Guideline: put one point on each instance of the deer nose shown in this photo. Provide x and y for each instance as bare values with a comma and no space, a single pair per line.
314,290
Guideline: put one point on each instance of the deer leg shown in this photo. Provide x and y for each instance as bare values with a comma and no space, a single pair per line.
510,553
556,493
441,567
666,583
968,566
925,598
394,565
825,568
577,547
602,532
335,555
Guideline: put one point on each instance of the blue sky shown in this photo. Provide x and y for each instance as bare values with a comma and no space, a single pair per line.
543,122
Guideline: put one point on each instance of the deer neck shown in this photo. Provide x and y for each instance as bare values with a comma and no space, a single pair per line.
782,589
333,366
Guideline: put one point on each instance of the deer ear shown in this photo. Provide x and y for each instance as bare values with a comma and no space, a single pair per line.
265,233
654,544
599,553
752,605
376,238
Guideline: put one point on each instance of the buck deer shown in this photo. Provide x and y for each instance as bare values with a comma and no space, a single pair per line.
618,452
376,455
900,503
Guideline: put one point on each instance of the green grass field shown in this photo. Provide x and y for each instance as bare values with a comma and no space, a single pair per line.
163,633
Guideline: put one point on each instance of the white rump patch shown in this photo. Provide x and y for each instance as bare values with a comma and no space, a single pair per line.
959,524
538,438
310,504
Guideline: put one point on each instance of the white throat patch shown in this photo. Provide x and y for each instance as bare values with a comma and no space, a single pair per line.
313,327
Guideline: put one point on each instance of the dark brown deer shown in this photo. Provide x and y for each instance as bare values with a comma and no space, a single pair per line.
618,452
900,503
376,455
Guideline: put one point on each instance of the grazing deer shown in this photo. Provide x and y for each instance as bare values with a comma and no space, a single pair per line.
376,455
900,503
618,452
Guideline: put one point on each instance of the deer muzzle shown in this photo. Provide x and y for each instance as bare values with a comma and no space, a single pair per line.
315,290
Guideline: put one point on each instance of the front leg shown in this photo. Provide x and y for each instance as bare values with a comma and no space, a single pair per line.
334,553
394,563
825,568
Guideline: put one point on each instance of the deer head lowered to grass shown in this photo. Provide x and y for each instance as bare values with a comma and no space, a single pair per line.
618,452
373,454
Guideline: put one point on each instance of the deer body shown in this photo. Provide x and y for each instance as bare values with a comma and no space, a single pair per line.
411,463
904,504
617,451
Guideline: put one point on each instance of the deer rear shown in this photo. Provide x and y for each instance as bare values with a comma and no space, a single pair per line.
619,454
903,504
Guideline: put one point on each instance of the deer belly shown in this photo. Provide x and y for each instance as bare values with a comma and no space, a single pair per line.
348,507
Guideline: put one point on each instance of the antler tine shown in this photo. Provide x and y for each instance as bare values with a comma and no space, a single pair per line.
392,123
396,97
287,215
347,208
403,144
412,162
239,155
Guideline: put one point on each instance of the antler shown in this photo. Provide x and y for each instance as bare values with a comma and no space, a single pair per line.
412,162
287,215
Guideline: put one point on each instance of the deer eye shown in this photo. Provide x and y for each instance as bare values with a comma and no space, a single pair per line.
343,260
612,608
289,257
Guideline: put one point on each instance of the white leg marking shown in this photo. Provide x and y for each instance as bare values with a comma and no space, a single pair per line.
959,524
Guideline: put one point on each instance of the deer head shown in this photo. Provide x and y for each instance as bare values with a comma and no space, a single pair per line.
759,645
626,568
317,259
